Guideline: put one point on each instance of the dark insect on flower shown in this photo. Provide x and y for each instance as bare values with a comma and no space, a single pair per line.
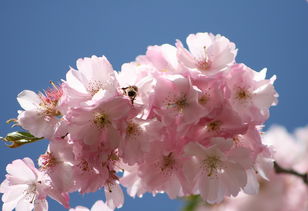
131,92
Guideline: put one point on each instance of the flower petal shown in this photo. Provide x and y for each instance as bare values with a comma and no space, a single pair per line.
20,170
115,197
100,206
28,100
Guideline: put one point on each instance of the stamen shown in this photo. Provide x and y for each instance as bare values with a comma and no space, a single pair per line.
132,129
30,193
168,162
101,120
178,103
212,164
95,86
242,94
53,84
203,99
206,63
50,99
214,126
49,161
83,165
236,140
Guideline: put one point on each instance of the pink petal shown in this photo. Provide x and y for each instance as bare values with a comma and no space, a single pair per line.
252,186
196,44
76,81
24,205
28,100
115,197
9,206
4,186
100,206
19,169
184,56
174,187
62,198
14,192
95,68
195,149
37,124
41,205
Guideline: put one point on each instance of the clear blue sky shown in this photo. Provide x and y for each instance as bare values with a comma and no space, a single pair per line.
40,39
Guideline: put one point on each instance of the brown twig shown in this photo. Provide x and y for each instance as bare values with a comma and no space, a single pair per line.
281,170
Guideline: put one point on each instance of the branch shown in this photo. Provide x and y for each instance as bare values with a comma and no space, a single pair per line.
281,170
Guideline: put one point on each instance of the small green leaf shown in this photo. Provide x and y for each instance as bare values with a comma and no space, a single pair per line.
192,202
18,139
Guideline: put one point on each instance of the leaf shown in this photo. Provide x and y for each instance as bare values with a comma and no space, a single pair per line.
19,138
192,203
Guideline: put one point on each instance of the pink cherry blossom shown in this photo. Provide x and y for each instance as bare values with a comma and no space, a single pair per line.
138,136
222,169
176,101
208,53
286,192
173,121
163,58
41,112
251,95
26,188
93,167
212,97
301,135
283,143
95,123
94,75
132,181
57,162
167,173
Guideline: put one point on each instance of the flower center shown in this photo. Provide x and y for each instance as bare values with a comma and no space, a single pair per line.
179,103
204,65
132,129
95,86
101,120
203,99
48,161
214,125
30,193
168,162
242,94
236,140
50,99
83,165
212,164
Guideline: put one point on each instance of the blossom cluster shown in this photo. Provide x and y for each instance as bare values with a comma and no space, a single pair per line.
177,120
287,192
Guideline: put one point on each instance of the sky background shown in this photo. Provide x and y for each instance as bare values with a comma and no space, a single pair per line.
40,39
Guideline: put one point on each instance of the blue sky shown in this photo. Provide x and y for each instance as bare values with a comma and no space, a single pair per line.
40,39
